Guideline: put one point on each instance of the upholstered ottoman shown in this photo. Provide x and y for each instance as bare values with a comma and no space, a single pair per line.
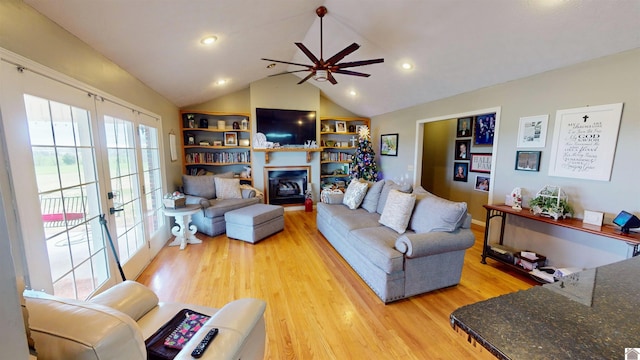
254,223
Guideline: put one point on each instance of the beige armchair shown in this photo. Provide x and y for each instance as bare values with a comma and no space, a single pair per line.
115,324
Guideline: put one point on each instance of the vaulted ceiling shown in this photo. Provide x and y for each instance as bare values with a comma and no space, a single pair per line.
454,46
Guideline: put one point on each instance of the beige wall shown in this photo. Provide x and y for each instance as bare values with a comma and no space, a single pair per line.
607,80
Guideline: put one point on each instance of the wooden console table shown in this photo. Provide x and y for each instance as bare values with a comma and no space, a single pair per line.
502,211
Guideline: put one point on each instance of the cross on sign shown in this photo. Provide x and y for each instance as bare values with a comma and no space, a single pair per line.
585,118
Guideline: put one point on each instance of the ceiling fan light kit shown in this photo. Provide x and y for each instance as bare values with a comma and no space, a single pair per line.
321,75
322,70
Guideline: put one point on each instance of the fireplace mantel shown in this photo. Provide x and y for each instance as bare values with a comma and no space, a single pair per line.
267,151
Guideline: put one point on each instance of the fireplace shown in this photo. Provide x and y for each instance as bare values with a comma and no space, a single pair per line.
286,185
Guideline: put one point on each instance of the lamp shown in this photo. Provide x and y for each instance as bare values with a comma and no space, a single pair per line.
321,75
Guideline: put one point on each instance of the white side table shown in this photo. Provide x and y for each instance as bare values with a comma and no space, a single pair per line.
183,232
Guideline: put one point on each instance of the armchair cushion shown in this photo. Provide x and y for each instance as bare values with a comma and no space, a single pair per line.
130,297
227,188
202,186
71,329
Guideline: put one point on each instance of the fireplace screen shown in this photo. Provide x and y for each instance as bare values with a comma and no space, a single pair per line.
286,186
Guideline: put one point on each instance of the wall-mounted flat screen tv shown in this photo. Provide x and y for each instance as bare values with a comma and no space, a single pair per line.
286,127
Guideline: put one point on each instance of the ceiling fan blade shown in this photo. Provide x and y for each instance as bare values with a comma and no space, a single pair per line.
309,54
288,72
358,63
287,62
331,78
306,78
340,55
349,72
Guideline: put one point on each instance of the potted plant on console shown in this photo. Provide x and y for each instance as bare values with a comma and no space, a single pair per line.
551,201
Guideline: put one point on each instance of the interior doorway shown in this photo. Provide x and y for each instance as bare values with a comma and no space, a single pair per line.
440,178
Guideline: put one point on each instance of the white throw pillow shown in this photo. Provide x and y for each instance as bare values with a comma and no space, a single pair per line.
228,188
355,193
397,211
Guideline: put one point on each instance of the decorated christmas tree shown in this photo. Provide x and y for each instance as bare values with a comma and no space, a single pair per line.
363,163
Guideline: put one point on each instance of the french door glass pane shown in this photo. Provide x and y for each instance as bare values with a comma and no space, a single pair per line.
125,186
64,161
152,178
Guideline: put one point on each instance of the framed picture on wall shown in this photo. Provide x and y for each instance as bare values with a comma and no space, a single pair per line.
532,132
389,144
481,163
528,160
482,183
460,171
462,149
484,129
464,127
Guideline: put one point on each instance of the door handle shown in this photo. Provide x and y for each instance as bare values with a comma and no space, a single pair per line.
114,210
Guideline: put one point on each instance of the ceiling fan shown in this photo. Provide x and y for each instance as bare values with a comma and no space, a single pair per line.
322,70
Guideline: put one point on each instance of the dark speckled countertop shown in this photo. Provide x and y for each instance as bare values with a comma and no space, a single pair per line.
542,323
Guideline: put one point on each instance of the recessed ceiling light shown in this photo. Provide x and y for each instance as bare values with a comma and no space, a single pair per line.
221,82
353,93
407,66
208,40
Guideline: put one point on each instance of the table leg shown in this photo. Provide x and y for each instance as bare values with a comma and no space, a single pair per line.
190,231
184,234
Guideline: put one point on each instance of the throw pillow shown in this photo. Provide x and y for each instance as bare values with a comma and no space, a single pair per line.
355,193
388,186
228,188
370,202
202,186
397,211
433,213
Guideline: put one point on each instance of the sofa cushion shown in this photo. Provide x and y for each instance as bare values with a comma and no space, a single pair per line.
397,210
370,201
202,186
432,213
388,186
217,207
227,188
355,193
356,219
377,244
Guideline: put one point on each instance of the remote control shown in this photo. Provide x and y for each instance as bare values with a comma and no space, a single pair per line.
199,350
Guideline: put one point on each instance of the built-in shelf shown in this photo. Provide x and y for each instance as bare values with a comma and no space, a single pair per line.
268,151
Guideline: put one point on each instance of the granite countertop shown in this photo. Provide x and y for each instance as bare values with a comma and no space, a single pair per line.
588,315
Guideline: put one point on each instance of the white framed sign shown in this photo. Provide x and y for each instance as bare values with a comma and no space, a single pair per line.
584,142
532,132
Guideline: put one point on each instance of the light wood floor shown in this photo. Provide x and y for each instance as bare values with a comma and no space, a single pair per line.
317,307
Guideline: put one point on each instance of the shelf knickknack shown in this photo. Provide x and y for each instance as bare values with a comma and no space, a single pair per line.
552,202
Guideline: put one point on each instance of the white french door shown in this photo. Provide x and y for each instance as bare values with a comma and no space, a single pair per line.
74,156
133,158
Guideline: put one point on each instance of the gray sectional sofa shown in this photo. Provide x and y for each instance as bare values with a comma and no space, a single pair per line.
217,195
397,263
